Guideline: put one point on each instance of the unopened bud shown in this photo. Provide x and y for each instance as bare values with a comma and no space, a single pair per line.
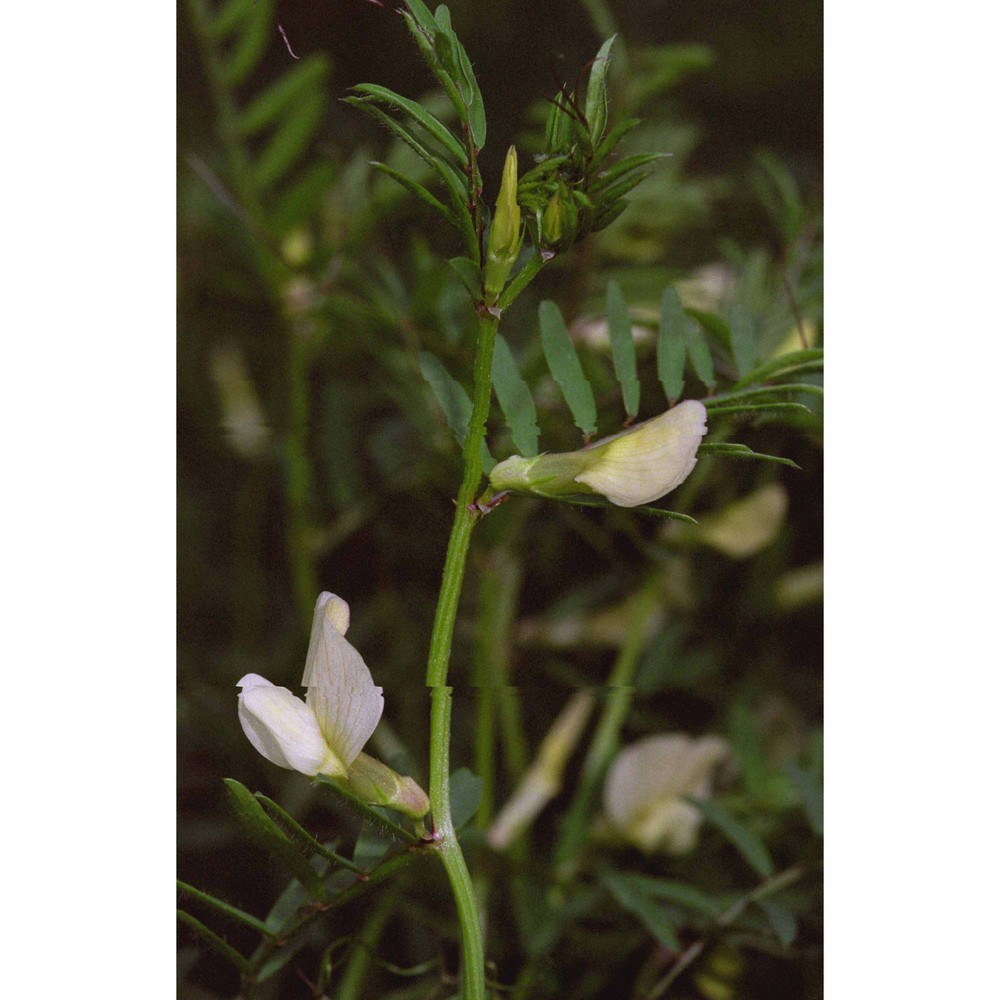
559,223
505,234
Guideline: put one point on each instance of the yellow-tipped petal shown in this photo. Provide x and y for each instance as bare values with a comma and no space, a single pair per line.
649,460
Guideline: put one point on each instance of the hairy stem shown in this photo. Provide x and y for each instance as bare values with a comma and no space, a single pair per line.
473,973
461,529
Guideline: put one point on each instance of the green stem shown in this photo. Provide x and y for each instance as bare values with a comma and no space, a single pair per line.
473,974
606,738
498,591
461,529
473,965
352,982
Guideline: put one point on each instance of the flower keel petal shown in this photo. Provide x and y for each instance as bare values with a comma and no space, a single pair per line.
283,728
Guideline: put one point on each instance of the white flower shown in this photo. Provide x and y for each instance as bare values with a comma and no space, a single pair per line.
637,466
325,733
648,782
746,526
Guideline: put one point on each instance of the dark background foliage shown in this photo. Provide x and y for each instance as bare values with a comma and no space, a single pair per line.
347,486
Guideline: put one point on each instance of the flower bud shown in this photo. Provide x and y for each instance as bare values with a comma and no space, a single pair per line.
505,234
635,467
559,222
376,784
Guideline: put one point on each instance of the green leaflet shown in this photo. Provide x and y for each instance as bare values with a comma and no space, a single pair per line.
290,140
620,169
810,793
743,839
296,831
765,392
596,109
270,836
676,892
515,399
713,325
671,349
700,354
720,410
781,919
466,789
808,360
455,60
470,274
608,214
623,348
454,402
561,357
451,397
418,191
452,179
255,33
422,15
211,938
660,920
304,79
583,501
734,450
233,13
611,140
372,813
225,908
742,340
418,113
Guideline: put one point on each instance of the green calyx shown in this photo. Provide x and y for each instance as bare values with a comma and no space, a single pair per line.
375,783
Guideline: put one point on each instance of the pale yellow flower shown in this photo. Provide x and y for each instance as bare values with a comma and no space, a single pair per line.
635,467
648,782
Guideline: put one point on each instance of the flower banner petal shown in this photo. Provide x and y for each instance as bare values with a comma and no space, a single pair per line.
346,702
649,460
